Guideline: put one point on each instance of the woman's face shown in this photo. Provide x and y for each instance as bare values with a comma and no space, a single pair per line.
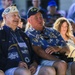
64,28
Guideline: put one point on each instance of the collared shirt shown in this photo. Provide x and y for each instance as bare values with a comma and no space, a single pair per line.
47,37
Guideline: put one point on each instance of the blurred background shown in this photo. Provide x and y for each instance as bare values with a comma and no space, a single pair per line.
23,5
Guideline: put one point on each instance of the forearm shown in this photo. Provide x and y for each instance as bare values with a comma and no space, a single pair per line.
41,53
65,50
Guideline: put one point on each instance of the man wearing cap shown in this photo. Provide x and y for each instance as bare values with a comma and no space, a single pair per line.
11,41
52,14
15,47
46,41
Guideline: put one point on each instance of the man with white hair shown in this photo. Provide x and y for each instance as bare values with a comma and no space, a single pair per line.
15,50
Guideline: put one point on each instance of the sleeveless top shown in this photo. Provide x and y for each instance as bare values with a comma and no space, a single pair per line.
71,46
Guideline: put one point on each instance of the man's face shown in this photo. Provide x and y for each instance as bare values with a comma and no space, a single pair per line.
37,21
12,19
36,3
6,3
52,9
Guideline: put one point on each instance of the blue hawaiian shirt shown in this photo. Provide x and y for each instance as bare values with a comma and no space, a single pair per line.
47,37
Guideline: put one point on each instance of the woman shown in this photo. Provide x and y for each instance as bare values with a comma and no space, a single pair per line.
64,27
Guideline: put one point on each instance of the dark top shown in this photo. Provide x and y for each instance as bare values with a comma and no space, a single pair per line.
51,19
9,56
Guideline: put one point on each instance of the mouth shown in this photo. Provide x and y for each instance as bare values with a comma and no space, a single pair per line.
16,21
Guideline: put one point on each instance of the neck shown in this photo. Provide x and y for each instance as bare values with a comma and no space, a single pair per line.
64,36
12,27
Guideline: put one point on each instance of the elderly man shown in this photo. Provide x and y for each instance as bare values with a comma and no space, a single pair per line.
15,47
46,41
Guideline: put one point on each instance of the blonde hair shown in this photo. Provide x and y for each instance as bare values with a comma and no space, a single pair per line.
28,25
57,26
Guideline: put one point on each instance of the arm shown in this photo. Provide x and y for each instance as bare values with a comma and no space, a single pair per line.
41,53
64,49
55,49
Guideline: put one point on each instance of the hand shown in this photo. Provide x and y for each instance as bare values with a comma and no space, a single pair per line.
51,50
23,64
33,67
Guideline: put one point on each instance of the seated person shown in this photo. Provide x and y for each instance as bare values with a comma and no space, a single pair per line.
64,27
52,14
46,41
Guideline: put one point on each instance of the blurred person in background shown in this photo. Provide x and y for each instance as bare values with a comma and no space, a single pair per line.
22,23
5,4
63,26
71,12
73,25
52,13
37,4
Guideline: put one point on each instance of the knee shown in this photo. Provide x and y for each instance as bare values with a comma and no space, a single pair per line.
61,64
51,70
46,70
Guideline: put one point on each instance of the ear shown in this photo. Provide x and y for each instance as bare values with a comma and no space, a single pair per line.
29,20
4,17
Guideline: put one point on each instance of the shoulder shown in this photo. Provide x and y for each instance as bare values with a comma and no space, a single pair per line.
51,29
1,30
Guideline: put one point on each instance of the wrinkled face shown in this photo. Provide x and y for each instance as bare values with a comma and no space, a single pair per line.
6,3
12,19
36,3
36,21
64,28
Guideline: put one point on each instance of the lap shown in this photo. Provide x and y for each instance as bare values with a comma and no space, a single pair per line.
47,63
11,71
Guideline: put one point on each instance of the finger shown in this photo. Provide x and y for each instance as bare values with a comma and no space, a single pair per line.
47,50
25,65
53,49
32,69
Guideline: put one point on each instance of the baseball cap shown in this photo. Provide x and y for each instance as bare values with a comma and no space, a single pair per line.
10,9
52,3
33,11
